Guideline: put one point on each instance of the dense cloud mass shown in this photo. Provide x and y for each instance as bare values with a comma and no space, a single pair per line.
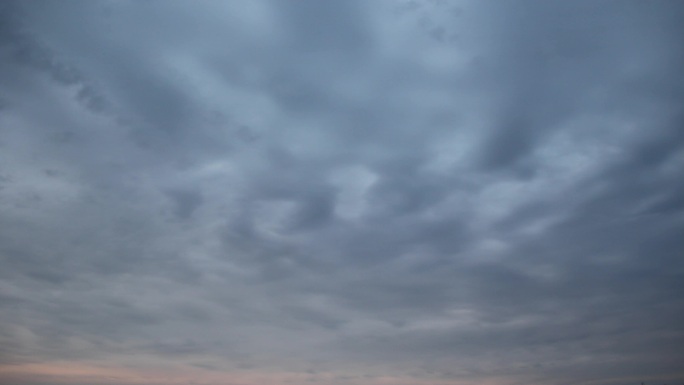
341,192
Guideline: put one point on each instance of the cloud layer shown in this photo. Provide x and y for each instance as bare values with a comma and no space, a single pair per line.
341,192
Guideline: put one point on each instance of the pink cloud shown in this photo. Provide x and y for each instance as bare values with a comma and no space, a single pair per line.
80,373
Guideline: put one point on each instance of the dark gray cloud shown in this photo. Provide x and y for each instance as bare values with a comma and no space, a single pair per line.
344,192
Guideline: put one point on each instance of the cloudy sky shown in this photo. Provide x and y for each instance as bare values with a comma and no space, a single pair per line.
341,192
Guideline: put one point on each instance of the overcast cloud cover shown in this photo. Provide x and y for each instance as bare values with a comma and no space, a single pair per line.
341,192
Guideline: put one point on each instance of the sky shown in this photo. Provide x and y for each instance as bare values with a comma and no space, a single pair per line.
341,192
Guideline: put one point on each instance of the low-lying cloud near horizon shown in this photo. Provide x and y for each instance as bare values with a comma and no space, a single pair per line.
341,192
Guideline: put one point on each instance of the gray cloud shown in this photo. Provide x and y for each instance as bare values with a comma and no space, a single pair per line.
428,191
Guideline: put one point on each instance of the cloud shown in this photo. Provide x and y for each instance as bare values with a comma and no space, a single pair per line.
341,193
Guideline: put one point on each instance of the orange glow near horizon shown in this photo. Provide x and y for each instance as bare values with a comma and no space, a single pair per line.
77,373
